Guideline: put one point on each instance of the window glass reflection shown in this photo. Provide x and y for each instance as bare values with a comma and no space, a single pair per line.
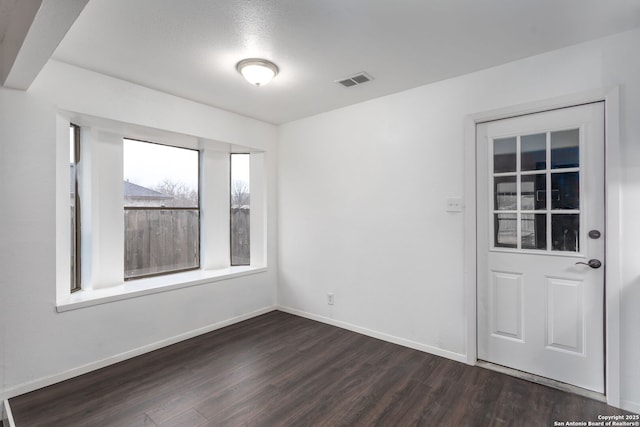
565,149
533,152
505,230
533,192
505,193
534,231
565,232
504,155
565,190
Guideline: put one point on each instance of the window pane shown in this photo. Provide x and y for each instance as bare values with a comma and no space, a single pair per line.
72,145
565,232
565,149
160,241
534,195
73,213
504,155
240,209
162,218
534,231
159,175
565,190
505,229
534,152
505,193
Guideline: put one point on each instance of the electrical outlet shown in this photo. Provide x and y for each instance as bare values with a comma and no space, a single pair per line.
454,204
330,298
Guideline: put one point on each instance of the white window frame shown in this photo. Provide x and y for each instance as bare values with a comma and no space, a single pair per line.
102,228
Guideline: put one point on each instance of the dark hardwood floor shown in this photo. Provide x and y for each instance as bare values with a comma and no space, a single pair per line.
283,370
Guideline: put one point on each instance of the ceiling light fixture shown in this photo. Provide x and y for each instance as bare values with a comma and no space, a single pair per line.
257,71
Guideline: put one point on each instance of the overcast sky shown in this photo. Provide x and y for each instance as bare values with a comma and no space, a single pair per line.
149,164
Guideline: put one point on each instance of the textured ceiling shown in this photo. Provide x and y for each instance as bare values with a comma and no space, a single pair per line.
190,48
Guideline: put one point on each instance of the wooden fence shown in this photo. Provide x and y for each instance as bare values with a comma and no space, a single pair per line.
162,240
240,236
158,240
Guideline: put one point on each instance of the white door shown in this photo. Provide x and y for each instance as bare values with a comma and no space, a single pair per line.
540,213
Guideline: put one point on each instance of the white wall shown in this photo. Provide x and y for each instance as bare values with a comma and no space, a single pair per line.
39,346
361,213
362,191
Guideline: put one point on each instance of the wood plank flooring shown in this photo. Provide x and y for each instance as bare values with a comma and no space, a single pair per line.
283,370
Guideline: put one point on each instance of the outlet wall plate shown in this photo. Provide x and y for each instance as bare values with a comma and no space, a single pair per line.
454,204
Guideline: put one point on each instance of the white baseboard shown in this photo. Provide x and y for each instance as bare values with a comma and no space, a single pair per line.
6,415
5,409
53,379
379,335
627,405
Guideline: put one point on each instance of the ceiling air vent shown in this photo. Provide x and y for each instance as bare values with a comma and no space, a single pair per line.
356,79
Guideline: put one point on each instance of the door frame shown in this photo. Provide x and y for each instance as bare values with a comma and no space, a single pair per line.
611,99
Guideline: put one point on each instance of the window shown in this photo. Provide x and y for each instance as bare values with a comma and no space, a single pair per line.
161,209
536,191
74,158
240,209
154,203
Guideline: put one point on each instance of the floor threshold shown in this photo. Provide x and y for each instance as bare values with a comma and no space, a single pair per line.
542,381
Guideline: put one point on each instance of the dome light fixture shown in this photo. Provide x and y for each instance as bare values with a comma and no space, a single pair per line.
257,71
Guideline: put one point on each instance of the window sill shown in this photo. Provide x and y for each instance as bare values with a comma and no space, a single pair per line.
152,285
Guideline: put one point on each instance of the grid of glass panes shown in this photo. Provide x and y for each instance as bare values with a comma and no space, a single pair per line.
536,191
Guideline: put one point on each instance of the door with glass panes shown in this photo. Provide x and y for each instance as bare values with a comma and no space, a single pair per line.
540,213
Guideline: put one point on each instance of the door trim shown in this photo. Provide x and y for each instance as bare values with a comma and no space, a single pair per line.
611,99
